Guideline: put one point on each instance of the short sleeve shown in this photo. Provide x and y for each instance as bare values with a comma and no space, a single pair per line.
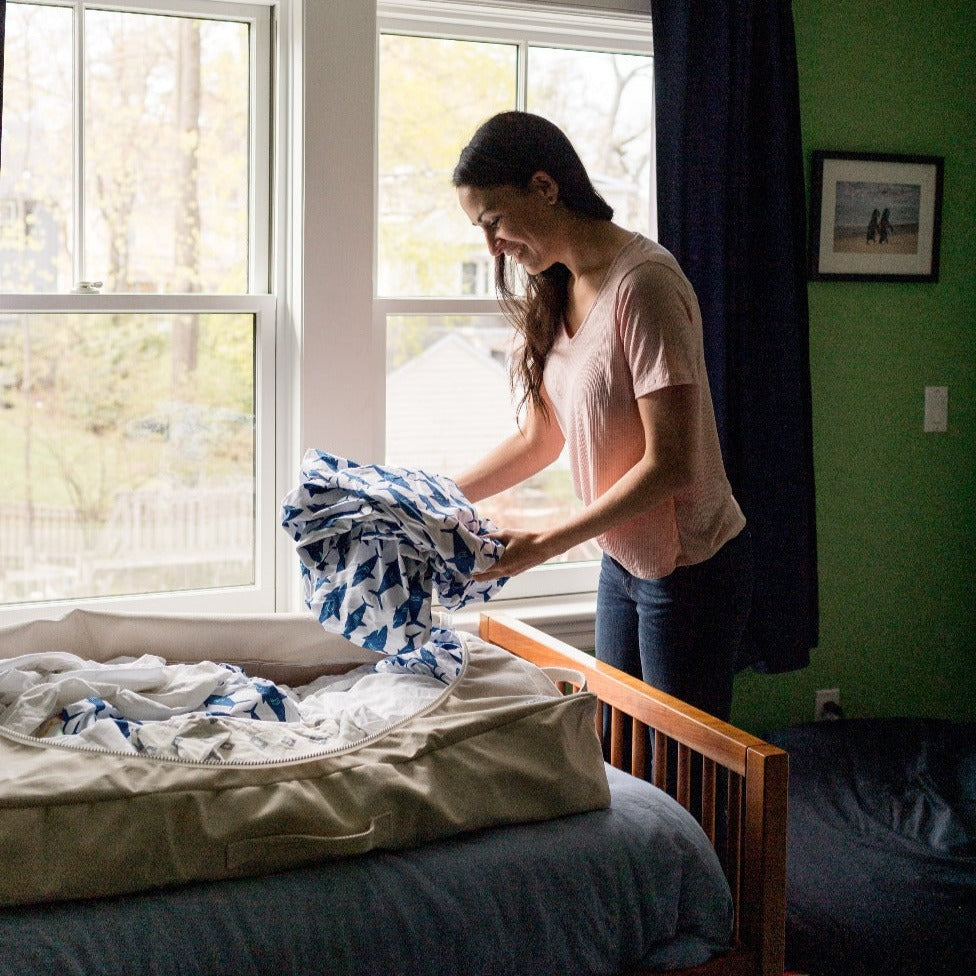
659,327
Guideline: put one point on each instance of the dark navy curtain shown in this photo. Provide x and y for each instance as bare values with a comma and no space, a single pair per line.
731,208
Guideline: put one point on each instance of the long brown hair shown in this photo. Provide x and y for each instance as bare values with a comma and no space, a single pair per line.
508,150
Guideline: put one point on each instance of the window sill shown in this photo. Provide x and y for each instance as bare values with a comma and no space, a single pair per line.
570,618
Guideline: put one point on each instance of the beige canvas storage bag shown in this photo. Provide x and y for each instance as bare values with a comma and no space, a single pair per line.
500,745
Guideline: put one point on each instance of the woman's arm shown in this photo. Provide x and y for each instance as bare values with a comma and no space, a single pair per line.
533,447
669,419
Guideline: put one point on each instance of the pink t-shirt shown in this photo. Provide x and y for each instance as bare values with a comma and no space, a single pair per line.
643,333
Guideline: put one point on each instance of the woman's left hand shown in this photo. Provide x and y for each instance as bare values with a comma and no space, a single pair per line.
523,550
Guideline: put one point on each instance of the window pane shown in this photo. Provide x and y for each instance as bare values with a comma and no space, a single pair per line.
448,395
35,169
166,153
448,402
126,454
433,95
603,102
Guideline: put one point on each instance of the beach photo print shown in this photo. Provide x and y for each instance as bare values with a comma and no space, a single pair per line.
875,217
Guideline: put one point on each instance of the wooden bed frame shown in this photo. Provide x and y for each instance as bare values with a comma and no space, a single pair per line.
752,808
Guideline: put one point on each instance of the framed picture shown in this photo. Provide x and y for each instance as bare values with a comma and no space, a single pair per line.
875,217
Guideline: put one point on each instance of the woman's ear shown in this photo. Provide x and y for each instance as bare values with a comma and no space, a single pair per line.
543,183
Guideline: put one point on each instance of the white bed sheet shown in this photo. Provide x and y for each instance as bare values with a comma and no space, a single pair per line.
203,711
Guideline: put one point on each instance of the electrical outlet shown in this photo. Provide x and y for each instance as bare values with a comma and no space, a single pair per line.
826,704
936,410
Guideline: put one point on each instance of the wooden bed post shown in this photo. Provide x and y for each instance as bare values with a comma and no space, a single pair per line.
763,919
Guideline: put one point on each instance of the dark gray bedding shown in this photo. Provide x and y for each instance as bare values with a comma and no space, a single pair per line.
601,892
881,847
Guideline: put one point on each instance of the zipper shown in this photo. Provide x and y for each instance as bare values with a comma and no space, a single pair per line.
23,738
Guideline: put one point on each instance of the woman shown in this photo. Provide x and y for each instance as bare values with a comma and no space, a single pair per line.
884,226
611,362
873,225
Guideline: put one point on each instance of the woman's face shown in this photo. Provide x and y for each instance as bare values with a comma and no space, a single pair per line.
517,223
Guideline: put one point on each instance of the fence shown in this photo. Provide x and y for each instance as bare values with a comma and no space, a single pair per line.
149,542
29,531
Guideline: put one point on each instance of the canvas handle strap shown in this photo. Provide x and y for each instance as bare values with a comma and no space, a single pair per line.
560,676
284,850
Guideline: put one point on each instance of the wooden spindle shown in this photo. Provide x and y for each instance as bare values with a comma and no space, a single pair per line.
638,750
708,799
684,776
616,738
659,767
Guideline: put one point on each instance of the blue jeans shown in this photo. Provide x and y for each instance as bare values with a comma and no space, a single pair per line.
679,633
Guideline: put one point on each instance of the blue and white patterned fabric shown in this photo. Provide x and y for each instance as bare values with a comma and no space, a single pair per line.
205,711
235,694
442,657
82,714
249,697
375,543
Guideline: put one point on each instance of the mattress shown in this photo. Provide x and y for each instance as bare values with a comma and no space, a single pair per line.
634,885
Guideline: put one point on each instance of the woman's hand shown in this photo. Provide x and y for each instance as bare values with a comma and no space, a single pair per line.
523,550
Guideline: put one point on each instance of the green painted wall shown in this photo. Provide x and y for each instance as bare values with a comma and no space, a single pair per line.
896,508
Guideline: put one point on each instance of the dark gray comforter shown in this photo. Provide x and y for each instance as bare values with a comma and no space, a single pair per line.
881,847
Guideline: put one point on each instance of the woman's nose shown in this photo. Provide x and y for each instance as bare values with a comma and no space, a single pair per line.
494,245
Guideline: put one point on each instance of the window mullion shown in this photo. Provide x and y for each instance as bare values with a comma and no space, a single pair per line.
522,76
78,147
260,278
437,306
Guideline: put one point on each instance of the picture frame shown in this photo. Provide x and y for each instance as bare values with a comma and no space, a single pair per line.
875,216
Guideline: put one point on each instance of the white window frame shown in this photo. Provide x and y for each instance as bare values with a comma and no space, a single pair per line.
325,381
524,25
270,589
